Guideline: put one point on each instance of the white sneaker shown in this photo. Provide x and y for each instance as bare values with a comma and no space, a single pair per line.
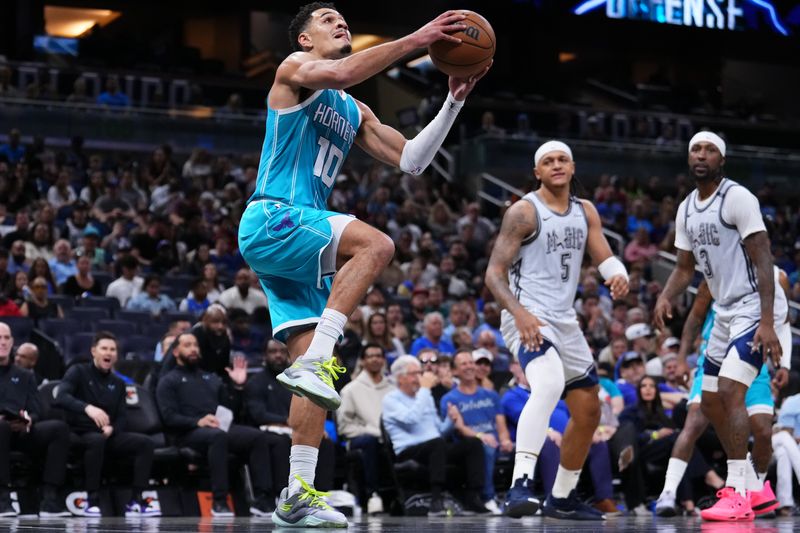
493,507
639,510
374,504
665,506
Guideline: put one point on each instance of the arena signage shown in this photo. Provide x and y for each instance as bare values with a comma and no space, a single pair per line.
711,14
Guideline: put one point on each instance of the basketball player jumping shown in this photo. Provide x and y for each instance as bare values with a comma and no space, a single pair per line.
533,273
719,227
295,245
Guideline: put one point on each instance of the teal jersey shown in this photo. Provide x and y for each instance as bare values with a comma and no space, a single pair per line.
304,148
705,333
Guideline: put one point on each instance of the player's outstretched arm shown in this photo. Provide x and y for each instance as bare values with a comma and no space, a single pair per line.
305,70
413,156
611,268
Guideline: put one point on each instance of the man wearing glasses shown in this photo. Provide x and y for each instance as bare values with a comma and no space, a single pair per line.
439,365
359,416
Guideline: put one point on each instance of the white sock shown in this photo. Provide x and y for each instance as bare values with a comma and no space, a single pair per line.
524,465
754,481
329,328
566,481
737,475
675,471
302,462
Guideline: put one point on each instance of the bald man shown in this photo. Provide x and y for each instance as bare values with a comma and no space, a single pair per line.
22,430
26,357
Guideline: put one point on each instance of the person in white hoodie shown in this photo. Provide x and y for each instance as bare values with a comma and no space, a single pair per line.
359,416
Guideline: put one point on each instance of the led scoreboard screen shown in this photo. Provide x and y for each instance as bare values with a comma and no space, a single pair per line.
709,14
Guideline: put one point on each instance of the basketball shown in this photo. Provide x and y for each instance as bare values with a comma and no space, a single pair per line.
472,54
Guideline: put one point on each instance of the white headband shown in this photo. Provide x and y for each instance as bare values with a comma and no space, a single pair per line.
709,137
550,146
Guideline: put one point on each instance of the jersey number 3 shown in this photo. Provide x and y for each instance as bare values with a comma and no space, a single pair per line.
706,263
328,153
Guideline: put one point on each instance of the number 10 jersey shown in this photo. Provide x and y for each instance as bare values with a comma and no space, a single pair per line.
304,148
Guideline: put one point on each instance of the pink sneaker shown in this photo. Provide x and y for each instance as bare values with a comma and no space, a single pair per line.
764,501
730,507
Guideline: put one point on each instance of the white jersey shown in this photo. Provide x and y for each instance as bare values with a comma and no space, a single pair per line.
717,246
544,275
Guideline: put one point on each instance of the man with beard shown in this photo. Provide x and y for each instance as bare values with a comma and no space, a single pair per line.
18,261
20,429
188,398
295,245
242,295
21,231
720,229
212,338
94,399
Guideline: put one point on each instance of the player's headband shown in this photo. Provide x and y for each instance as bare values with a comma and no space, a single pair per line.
551,146
709,137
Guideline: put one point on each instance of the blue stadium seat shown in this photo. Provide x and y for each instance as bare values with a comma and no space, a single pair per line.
77,348
21,327
89,315
120,328
59,328
101,302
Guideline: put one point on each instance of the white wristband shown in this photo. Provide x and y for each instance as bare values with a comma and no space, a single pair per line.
419,152
612,267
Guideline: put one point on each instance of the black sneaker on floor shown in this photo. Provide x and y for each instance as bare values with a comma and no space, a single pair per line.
6,509
436,508
263,506
570,508
219,508
53,508
474,505
519,501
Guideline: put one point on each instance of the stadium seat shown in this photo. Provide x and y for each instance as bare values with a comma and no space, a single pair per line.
21,327
103,278
120,328
89,315
65,302
101,302
59,328
47,397
174,316
138,347
141,318
77,348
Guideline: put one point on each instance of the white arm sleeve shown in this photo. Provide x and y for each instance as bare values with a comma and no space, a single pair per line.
682,241
419,151
741,209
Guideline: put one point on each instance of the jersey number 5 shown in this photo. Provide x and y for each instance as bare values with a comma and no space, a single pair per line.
328,153
566,256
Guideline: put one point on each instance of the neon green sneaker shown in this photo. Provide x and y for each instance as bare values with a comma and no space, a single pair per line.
314,380
307,508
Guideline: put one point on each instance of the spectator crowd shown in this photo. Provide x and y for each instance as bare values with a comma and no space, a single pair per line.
153,243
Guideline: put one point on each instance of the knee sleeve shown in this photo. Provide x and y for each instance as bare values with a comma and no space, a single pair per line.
546,377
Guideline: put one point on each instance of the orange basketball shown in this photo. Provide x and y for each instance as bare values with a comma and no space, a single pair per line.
469,57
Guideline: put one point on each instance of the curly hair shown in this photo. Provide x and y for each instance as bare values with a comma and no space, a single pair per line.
300,21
